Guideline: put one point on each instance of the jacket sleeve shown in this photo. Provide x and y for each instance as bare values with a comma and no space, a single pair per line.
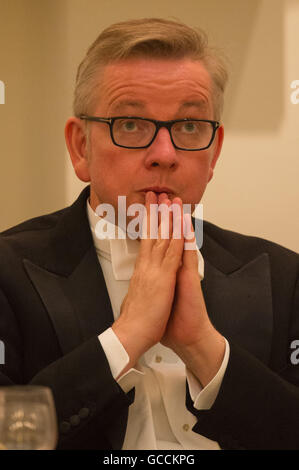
91,408
256,407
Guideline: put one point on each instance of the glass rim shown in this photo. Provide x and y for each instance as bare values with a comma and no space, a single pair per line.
25,388
158,125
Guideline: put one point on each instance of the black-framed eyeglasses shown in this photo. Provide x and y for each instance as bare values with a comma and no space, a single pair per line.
138,133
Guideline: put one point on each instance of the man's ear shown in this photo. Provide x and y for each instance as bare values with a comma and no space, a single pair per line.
76,141
217,149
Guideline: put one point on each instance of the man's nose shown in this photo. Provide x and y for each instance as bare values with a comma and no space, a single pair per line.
162,152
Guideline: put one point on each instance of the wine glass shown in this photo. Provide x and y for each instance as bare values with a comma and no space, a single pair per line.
27,418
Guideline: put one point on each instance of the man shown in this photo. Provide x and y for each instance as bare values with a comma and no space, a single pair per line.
146,344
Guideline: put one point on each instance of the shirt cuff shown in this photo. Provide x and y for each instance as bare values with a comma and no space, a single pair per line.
203,398
118,359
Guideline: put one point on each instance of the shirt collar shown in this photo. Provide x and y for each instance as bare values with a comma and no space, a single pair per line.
121,252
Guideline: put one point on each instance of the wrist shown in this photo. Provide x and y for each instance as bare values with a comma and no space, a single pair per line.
134,343
204,356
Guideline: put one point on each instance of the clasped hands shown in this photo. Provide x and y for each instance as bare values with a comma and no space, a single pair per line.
165,302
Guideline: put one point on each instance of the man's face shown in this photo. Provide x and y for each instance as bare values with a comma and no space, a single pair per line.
157,89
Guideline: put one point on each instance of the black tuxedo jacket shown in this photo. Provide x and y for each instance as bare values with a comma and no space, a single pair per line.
54,303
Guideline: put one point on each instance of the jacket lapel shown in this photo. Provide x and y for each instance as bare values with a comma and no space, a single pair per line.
70,281
78,305
238,298
71,285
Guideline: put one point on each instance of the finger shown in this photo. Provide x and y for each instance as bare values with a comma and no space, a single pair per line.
190,256
173,257
162,198
149,224
163,216
165,226
164,230
177,210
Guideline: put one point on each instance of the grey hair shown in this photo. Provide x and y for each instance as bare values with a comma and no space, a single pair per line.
148,38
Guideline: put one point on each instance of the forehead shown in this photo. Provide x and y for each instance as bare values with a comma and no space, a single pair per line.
146,83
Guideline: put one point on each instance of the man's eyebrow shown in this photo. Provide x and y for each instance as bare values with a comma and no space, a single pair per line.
201,105
194,104
128,103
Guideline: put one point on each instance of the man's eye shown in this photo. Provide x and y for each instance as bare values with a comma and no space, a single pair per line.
129,126
189,127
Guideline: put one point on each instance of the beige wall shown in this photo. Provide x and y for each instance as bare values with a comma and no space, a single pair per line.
255,187
32,66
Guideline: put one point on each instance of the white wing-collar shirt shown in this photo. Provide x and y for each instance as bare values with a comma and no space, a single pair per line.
158,417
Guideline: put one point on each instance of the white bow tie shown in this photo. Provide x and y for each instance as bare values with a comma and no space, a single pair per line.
122,254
